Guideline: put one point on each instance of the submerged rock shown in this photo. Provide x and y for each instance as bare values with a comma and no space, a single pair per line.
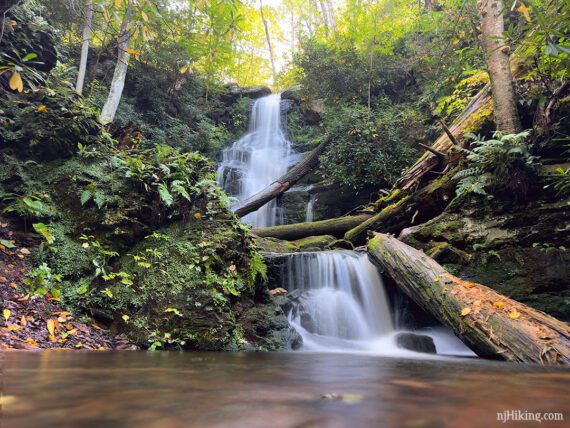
415,342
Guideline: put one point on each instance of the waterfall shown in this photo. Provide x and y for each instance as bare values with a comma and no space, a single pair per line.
342,304
257,160
310,208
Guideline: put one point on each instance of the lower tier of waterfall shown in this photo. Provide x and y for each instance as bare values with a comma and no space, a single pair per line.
341,305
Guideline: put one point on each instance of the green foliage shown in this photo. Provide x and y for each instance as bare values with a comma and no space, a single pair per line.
503,163
452,105
42,280
370,148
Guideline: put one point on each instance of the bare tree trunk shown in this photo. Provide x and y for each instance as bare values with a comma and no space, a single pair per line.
85,47
330,12
118,82
325,16
491,324
271,57
497,57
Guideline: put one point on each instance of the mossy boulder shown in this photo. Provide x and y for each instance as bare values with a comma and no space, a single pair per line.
520,250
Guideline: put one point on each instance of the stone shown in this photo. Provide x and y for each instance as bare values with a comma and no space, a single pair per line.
415,342
278,292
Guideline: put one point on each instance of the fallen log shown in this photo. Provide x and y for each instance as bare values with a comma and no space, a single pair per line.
290,232
283,183
492,325
397,212
477,111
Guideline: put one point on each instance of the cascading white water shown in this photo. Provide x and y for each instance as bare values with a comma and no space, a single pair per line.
257,160
343,304
310,208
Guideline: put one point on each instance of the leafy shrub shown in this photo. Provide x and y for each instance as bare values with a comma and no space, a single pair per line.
501,163
370,148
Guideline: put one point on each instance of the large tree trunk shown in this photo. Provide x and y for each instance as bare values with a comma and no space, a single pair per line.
283,183
84,47
290,232
491,324
120,73
497,57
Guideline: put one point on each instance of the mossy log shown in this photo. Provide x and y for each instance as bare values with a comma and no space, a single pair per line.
335,227
492,325
477,111
398,211
283,183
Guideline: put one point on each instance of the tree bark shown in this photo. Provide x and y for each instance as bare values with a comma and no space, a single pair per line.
283,183
269,47
497,58
397,212
492,325
120,73
290,232
84,47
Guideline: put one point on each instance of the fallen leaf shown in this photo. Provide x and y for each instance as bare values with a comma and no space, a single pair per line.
524,10
197,216
31,341
16,82
498,304
24,251
51,327
6,313
465,311
514,314
3,279
23,321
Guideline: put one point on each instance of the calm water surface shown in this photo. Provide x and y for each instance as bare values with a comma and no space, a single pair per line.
167,389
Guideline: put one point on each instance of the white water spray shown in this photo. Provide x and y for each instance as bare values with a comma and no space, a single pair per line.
343,305
257,160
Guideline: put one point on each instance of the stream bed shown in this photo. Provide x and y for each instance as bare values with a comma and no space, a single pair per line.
292,389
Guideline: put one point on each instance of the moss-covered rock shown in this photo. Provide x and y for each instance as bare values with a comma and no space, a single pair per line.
519,250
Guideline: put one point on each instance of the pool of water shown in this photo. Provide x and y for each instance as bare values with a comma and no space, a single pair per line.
296,389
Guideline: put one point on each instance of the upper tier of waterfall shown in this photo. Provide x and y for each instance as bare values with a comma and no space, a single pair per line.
257,160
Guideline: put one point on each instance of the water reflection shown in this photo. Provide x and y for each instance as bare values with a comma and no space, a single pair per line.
127,389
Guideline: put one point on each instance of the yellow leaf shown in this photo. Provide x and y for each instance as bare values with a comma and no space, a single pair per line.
144,16
118,4
132,51
524,10
16,82
31,341
499,304
197,216
465,311
514,314
183,69
51,327
6,313
42,108
436,279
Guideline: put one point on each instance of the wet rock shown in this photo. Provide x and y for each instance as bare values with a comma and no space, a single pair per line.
415,342
293,93
234,92
278,292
